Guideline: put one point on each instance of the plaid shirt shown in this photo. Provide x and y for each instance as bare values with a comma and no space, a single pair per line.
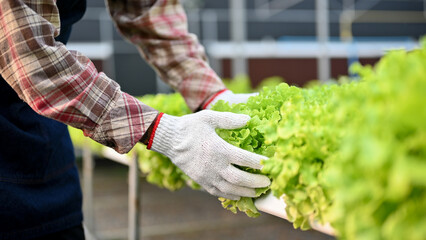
64,85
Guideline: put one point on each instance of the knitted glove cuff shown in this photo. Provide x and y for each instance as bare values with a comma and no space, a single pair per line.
164,135
213,99
229,97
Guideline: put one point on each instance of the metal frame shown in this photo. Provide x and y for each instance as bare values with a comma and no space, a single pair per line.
238,32
323,33
308,49
134,212
269,9
88,166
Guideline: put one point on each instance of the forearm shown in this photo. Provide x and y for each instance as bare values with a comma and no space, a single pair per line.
65,85
159,30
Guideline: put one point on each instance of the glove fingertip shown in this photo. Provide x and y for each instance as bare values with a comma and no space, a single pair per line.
263,181
228,120
231,197
248,159
252,193
267,181
242,120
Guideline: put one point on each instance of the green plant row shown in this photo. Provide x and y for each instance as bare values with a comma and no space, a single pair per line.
352,154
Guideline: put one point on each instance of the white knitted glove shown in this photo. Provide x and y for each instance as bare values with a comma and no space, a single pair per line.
192,144
228,96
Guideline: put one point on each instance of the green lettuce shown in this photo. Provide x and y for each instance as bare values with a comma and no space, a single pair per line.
351,153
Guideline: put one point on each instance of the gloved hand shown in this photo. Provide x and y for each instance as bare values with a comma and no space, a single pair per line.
228,96
192,144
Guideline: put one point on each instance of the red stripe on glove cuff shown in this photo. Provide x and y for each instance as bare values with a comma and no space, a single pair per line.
213,97
151,138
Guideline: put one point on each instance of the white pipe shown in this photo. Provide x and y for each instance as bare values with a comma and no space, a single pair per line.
210,26
135,206
322,29
88,166
238,34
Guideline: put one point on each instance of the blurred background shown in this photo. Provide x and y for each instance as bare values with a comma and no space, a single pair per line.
297,40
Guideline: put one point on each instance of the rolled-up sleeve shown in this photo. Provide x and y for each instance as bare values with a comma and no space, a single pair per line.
159,30
61,84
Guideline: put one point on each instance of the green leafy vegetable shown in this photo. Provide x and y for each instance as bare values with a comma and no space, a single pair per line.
352,154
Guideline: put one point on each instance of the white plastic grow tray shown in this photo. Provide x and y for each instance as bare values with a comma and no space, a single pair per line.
267,203
270,204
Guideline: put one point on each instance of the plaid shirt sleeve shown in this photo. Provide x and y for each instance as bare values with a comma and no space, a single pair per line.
61,84
159,29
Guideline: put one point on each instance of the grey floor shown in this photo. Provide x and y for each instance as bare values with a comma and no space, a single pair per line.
182,215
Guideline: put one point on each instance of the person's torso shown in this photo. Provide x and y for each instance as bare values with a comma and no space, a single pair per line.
39,185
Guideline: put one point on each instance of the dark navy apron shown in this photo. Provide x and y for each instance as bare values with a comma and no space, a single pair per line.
39,184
